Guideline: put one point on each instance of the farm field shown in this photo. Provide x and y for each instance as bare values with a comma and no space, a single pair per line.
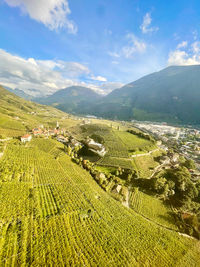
120,145
145,165
111,141
116,162
134,143
18,116
152,208
52,213
11,133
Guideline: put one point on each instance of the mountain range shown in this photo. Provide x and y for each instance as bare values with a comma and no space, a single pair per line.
73,99
170,95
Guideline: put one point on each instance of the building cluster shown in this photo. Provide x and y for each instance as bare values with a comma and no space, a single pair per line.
185,140
163,131
95,147
41,131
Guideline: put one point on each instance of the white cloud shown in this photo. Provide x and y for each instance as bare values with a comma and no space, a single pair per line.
132,46
113,54
135,45
196,47
106,88
182,44
195,34
98,78
115,62
52,13
181,57
47,76
145,27
42,77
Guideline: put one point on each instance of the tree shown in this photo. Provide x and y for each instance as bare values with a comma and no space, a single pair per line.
189,163
159,184
69,150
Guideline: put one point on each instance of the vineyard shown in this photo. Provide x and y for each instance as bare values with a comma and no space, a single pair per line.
52,213
145,165
120,145
153,209
116,162
134,143
47,146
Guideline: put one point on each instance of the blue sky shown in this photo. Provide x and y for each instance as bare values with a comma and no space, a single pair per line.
102,44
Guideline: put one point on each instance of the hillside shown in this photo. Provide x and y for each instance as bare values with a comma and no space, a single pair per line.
17,116
54,212
172,95
58,215
19,93
72,99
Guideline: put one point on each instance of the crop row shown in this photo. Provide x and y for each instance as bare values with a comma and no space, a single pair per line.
63,218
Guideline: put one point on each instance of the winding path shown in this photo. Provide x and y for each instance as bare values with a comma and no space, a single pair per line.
145,154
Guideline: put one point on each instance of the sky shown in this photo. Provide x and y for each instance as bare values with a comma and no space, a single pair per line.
50,45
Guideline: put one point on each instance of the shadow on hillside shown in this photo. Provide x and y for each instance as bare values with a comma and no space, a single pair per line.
170,217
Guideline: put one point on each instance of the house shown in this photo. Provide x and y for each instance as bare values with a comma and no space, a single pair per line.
36,131
74,143
118,188
53,132
62,139
26,138
95,147
101,175
91,117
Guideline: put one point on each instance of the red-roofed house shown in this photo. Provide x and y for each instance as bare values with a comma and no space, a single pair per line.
37,131
26,138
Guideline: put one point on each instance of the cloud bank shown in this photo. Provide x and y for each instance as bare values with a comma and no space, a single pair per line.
48,76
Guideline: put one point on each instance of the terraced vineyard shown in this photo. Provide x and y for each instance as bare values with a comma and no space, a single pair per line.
52,213
116,162
134,143
153,209
145,165
11,132
120,146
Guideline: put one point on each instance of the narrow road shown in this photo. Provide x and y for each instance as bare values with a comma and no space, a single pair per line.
1,154
145,154
156,169
4,140
126,202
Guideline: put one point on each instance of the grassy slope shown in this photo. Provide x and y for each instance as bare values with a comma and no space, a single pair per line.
152,208
145,165
160,96
120,144
16,118
58,215
134,143
52,212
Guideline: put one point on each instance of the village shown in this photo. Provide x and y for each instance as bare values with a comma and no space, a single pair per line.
63,136
184,141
